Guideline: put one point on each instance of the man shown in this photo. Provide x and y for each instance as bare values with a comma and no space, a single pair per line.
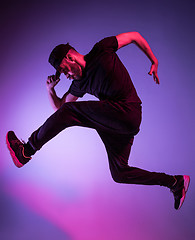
116,116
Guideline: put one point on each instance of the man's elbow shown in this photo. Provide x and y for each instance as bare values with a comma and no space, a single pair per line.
136,37
56,106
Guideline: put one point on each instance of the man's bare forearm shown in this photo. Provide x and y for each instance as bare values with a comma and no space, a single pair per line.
54,99
144,46
134,37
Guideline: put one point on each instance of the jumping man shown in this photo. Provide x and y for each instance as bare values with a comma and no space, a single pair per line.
116,116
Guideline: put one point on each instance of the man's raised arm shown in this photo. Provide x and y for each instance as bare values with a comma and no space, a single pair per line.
134,37
55,101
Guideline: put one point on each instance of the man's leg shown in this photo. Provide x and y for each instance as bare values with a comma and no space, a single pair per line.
92,114
105,115
118,148
107,118
65,117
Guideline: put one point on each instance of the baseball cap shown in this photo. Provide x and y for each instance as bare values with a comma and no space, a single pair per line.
57,55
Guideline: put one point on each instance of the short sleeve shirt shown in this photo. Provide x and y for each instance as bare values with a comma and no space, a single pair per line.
105,76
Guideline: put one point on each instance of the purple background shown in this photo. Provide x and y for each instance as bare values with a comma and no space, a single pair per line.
66,192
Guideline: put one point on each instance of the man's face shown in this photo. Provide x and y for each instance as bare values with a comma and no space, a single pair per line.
71,69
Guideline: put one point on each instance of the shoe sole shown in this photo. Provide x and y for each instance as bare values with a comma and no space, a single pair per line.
186,179
14,158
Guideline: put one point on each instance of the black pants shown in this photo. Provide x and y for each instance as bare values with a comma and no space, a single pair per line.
116,123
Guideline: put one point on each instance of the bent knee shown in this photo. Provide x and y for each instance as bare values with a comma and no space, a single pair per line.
118,177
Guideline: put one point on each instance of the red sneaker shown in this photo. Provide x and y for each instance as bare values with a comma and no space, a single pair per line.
179,189
16,148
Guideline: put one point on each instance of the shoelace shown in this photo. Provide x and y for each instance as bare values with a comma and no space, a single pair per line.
14,142
18,143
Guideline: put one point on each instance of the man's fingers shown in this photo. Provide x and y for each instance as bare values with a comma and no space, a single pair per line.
48,80
52,81
155,76
153,71
156,79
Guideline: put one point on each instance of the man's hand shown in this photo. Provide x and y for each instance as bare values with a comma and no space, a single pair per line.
52,82
153,70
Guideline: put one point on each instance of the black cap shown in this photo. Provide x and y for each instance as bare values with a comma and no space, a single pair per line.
57,55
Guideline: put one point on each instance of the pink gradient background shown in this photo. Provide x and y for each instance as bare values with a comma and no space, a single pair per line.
66,192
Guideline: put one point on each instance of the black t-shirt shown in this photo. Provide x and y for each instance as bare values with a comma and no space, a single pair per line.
105,76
